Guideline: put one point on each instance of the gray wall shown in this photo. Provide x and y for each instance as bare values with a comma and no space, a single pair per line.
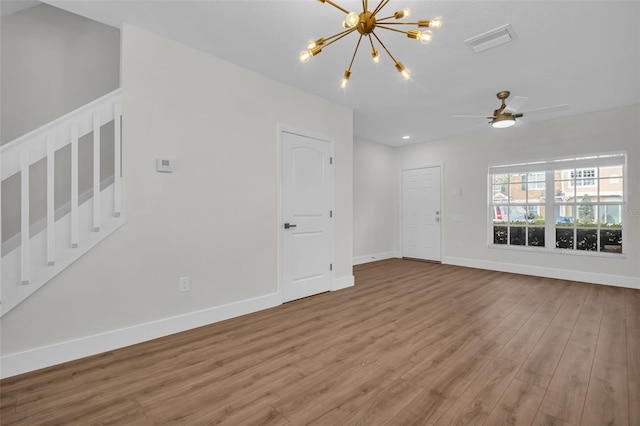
52,63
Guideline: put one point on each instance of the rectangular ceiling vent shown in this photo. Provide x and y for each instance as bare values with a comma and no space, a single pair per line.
492,38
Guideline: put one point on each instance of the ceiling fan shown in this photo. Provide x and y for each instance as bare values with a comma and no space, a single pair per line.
506,114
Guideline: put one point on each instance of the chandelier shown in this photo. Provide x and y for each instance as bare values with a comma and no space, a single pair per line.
365,23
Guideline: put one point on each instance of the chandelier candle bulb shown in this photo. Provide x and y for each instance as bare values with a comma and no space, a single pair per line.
304,56
406,75
352,19
313,43
426,37
436,23
404,13
345,79
375,56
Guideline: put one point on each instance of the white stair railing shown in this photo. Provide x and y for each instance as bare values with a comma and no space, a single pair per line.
44,254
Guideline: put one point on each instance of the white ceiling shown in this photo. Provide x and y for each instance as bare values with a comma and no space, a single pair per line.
582,53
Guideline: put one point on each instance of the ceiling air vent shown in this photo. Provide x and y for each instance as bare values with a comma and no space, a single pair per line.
492,38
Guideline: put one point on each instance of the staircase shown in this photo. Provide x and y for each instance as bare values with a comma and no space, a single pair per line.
41,247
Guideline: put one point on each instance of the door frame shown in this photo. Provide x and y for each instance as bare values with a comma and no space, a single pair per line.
400,221
281,128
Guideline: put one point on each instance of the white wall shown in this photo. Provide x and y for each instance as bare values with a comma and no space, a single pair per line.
213,219
467,157
375,215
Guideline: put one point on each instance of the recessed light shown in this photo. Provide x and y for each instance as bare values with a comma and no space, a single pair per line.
406,137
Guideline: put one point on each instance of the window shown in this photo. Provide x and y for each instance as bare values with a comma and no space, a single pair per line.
584,177
573,204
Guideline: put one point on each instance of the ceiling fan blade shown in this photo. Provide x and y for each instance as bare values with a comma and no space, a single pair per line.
515,104
549,108
471,116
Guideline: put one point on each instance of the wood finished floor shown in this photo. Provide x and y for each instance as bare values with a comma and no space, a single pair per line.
412,343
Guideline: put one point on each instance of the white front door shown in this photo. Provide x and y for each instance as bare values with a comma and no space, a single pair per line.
306,232
421,213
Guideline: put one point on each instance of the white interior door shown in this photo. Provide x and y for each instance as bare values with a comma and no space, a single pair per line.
306,233
421,212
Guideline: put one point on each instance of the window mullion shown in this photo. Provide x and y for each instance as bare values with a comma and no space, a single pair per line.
549,210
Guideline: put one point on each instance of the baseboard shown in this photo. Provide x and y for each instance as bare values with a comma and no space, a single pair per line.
35,359
539,271
343,282
359,260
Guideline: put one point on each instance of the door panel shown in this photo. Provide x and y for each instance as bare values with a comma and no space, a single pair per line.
307,191
421,213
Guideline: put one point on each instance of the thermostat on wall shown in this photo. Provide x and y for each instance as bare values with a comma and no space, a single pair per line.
164,166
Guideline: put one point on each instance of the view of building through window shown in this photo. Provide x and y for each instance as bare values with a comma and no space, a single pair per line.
584,213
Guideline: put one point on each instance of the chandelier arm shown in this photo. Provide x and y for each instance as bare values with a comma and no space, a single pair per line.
387,17
337,6
382,4
355,51
371,41
384,47
391,29
342,34
378,22
365,5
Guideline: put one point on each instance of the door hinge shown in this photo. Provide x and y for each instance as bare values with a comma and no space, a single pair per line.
330,213
330,160
331,266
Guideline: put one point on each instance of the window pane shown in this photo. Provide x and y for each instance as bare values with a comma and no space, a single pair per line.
517,235
500,214
517,194
564,238
500,194
535,214
587,239
610,215
611,240
586,215
517,215
611,189
499,235
500,179
564,216
536,236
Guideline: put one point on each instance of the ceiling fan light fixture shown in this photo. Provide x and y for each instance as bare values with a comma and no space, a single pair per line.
503,121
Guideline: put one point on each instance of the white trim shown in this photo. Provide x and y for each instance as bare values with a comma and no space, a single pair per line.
46,356
540,271
343,282
359,260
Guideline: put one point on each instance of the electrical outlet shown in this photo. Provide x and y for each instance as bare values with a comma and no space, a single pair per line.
184,284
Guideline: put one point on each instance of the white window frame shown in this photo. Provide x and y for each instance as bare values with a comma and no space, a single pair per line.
550,166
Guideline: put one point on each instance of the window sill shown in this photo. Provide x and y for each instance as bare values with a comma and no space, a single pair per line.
562,252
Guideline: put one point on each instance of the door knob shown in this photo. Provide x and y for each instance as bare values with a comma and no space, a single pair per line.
289,225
